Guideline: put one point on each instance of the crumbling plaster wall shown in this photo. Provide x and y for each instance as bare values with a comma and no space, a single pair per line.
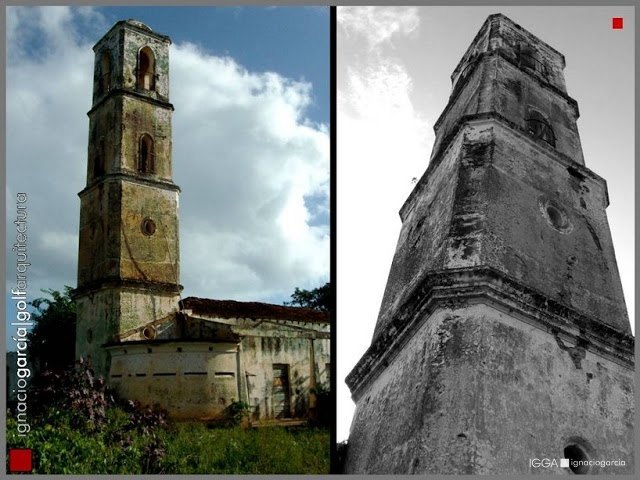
153,258
575,264
133,41
98,251
104,313
211,375
425,228
476,390
145,118
189,379
259,356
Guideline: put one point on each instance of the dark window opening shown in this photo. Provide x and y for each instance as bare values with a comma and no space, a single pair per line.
528,58
105,74
555,216
466,71
146,160
538,127
576,456
146,69
98,159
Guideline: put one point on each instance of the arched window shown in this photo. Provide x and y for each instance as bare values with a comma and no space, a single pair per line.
146,69
146,163
105,72
538,127
98,159
528,58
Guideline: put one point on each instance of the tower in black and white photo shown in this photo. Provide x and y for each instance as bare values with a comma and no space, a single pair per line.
503,334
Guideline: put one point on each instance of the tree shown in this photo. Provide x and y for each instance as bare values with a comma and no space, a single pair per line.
53,338
317,299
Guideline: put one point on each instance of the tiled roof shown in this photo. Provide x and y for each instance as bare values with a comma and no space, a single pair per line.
255,310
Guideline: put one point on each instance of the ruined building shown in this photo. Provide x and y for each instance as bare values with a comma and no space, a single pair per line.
503,334
195,356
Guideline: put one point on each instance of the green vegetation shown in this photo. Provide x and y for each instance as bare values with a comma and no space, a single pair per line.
186,448
317,299
52,340
79,426
192,448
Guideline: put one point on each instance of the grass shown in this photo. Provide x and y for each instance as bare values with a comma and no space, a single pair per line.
193,448
188,448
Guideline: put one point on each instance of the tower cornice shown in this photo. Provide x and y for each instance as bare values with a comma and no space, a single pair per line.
131,93
146,286
536,143
488,286
131,178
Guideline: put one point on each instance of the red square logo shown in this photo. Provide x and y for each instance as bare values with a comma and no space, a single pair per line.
20,460
616,23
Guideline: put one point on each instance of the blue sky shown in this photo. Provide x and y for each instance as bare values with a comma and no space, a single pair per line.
250,87
292,41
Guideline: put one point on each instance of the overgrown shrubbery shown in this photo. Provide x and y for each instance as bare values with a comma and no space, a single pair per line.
79,427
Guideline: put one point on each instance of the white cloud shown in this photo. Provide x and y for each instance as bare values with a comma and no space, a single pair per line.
383,142
245,156
253,158
378,25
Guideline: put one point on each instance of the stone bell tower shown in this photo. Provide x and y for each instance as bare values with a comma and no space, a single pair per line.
128,249
503,334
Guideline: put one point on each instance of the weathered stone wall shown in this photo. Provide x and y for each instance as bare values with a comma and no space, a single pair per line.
138,306
140,118
568,256
200,379
97,322
134,40
122,43
112,242
497,85
476,390
425,228
105,139
259,354
98,245
514,95
507,37
107,312
503,334
146,257
189,379
487,202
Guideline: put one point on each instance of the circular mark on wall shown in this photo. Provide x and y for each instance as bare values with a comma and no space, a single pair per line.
149,333
555,216
148,227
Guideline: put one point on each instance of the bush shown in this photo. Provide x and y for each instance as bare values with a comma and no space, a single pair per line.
78,426
236,413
